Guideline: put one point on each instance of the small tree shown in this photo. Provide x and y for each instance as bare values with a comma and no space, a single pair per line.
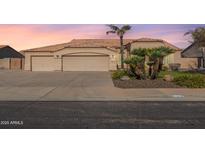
137,61
155,54
197,36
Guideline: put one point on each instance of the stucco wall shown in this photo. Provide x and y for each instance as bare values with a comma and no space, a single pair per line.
186,63
4,63
113,56
146,45
16,63
11,63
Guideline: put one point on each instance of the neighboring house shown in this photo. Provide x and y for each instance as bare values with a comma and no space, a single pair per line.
10,58
196,53
88,54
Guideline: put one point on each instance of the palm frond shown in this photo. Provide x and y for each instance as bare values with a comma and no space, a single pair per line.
134,60
111,31
139,51
113,27
126,27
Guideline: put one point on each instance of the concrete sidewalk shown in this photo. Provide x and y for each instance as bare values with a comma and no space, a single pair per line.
103,93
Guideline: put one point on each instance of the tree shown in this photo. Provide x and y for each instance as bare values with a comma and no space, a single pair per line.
136,64
197,35
138,59
198,38
155,54
120,31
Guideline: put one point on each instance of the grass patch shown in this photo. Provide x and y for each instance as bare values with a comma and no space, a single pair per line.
186,79
118,74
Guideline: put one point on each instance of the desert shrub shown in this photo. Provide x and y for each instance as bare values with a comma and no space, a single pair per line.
118,74
190,80
163,73
165,68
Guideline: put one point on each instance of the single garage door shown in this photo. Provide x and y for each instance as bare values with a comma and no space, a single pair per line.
86,63
44,63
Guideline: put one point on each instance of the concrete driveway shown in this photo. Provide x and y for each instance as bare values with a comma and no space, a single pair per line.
54,79
23,85
81,86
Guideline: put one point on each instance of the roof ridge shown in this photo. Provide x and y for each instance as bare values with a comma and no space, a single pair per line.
104,39
46,46
171,45
149,38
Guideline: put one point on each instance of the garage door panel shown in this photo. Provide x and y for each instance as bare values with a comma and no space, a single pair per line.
42,63
86,63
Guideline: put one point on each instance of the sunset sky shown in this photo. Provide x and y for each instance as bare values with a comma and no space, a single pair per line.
30,36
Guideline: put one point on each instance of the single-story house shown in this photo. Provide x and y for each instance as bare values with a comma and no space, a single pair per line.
195,52
89,54
10,58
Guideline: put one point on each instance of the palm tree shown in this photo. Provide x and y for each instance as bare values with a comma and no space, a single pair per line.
120,31
155,54
136,66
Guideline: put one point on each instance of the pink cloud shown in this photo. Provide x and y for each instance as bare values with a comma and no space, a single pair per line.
28,36
31,36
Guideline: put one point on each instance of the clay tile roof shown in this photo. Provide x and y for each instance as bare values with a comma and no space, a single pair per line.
171,46
166,44
96,43
80,43
148,40
113,43
50,48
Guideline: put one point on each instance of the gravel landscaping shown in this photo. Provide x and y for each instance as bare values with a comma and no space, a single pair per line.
144,84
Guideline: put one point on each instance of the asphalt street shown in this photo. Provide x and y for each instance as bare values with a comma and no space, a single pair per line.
102,115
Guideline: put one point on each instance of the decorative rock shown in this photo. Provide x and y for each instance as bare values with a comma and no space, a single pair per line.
168,78
125,78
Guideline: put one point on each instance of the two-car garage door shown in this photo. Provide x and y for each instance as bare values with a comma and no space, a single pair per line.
86,63
71,63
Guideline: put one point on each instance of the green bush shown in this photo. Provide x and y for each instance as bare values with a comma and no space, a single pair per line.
165,68
118,74
190,80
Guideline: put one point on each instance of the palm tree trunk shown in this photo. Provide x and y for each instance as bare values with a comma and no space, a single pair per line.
150,70
160,64
155,69
122,52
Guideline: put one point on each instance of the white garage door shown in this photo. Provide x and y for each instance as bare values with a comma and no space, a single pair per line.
45,63
86,63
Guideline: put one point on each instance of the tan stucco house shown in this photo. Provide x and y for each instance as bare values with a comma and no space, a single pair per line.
90,54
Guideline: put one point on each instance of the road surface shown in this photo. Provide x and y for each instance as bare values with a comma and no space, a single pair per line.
113,114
